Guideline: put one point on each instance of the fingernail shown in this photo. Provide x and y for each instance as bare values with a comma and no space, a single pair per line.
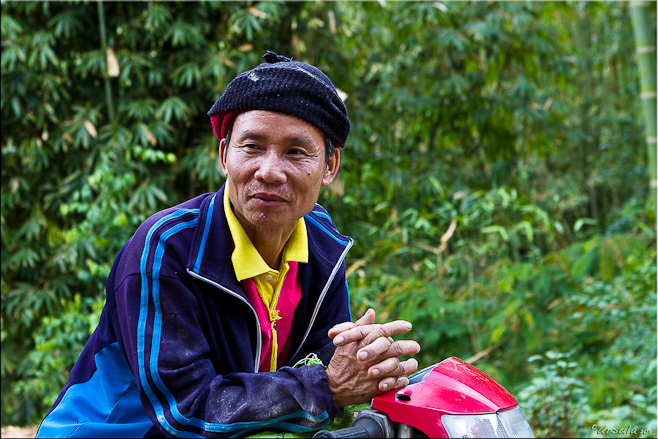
363,355
385,386
339,339
375,372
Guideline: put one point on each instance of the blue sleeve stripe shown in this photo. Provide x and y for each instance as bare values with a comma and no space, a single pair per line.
155,346
206,229
349,308
157,321
325,230
143,315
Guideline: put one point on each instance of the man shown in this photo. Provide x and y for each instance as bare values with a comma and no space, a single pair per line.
211,303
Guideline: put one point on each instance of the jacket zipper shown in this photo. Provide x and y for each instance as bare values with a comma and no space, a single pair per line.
323,294
234,294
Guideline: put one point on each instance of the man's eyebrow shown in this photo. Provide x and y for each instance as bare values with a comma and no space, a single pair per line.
299,140
248,134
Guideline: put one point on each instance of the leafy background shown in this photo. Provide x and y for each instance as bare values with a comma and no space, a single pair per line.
495,180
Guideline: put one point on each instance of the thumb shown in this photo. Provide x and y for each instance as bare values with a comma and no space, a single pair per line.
366,319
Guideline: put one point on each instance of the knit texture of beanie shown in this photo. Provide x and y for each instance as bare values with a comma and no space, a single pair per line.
284,86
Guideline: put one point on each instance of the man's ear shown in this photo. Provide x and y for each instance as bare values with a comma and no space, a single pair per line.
331,170
223,147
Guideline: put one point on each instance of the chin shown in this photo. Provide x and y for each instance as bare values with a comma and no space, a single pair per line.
269,219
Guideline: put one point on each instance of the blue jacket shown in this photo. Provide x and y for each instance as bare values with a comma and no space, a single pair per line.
177,348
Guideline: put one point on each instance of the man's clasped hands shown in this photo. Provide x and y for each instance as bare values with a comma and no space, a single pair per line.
367,359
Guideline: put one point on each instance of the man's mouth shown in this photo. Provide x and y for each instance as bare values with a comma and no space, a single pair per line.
268,198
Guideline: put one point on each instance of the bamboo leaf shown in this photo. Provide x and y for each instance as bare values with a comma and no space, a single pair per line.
91,129
112,64
583,221
10,28
496,229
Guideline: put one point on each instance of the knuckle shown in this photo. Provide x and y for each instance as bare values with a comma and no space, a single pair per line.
387,329
393,364
397,349
410,366
381,331
357,333
372,334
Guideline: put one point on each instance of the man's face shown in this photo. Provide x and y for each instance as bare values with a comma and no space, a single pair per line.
275,165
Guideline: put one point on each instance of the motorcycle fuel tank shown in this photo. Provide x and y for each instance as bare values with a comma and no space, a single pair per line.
454,399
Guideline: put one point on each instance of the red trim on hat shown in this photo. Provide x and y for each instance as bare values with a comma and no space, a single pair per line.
215,120
221,121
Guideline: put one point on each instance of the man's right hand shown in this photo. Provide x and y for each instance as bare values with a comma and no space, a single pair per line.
366,362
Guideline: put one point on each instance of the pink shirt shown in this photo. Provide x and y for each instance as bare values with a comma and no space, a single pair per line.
291,293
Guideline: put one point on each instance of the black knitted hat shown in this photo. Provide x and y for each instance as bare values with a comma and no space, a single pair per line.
285,86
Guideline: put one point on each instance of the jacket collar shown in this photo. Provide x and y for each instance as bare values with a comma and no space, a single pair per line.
210,255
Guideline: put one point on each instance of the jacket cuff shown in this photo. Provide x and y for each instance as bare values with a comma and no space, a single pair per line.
325,392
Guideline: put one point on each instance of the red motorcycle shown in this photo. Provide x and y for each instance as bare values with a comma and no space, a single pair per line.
449,399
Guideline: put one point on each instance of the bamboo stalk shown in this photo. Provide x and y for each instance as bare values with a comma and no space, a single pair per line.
645,41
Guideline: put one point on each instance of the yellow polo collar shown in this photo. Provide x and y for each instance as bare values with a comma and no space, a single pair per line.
247,262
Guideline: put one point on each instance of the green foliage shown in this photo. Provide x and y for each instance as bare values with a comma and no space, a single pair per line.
608,376
58,341
554,394
491,180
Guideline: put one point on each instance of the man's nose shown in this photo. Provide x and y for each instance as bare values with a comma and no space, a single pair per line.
271,169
